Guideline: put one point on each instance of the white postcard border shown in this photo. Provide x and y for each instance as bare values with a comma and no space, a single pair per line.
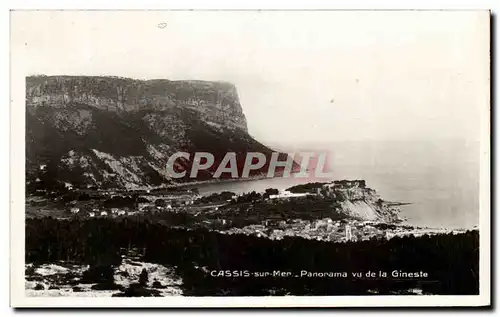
17,225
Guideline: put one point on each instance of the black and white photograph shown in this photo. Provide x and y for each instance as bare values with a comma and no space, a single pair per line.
253,158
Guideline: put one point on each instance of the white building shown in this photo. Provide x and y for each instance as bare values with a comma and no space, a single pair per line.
103,213
75,210
348,233
287,194
91,214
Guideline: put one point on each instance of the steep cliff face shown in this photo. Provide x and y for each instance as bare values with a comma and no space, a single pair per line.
353,199
217,103
118,132
360,202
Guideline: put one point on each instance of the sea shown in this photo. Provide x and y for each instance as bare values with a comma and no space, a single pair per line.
439,179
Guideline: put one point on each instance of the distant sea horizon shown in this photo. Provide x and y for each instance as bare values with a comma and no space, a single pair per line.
438,178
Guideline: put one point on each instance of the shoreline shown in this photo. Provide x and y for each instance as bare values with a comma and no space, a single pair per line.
226,180
396,203
216,181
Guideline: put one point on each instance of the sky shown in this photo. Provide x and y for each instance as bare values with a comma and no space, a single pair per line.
302,77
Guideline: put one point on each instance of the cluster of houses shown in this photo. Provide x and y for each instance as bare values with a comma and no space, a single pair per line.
141,207
321,229
96,212
348,189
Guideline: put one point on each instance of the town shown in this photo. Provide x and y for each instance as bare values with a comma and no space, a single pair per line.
340,211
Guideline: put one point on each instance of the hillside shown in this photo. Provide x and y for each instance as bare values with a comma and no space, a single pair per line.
354,199
119,132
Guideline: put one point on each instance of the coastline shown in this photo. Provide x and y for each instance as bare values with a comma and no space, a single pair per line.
216,181
226,180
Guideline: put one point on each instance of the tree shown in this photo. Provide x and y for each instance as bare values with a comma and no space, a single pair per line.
143,278
272,191
160,202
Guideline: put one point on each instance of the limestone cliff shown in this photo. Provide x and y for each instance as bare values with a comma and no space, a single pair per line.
119,132
216,103
360,202
353,199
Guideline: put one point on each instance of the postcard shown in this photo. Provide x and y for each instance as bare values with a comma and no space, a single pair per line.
250,158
